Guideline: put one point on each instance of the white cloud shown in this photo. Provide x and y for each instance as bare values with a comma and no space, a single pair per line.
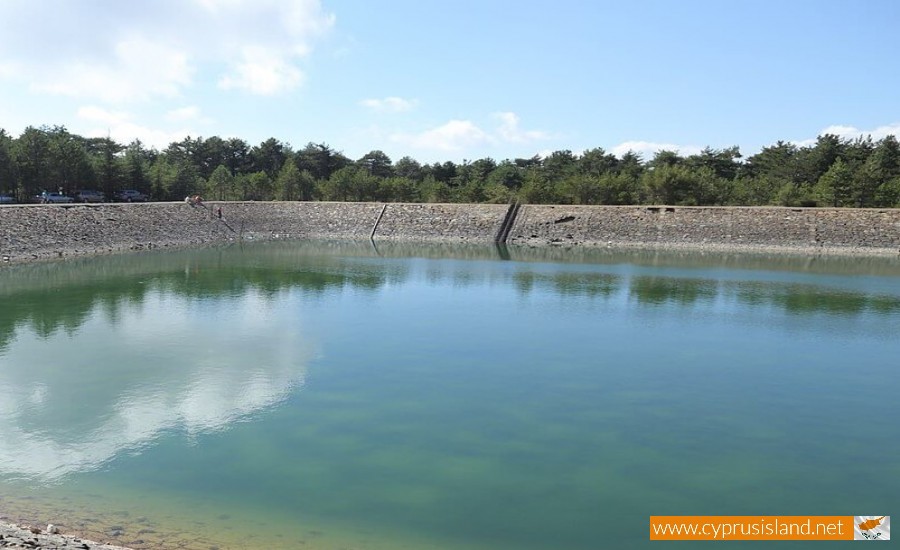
455,135
262,72
96,114
458,135
272,36
188,113
141,50
851,132
139,69
8,69
121,127
509,130
648,148
391,104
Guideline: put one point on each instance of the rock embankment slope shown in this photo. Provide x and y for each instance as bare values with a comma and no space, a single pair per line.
35,232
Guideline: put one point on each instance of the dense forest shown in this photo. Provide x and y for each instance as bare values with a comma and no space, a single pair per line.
831,172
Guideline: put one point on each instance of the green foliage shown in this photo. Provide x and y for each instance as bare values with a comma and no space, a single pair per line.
618,188
269,156
507,174
135,166
831,171
107,164
364,186
680,184
472,191
834,187
339,185
409,168
220,184
320,160
777,161
597,162
306,186
888,193
537,189
481,169
32,157
7,164
287,185
630,164
257,186
723,163
398,189
236,156
69,165
581,189
162,177
792,194
377,164
434,190
186,181
816,161
444,173
664,158
495,193
878,169
560,165
756,191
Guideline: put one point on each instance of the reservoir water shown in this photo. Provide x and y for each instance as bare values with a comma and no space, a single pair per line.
335,396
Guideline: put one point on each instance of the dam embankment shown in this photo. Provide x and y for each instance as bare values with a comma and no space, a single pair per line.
34,232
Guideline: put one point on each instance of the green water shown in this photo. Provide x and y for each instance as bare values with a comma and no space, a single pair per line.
344,396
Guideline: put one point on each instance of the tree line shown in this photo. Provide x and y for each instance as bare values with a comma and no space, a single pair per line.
833,171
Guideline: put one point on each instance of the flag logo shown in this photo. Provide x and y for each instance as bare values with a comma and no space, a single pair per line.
872,527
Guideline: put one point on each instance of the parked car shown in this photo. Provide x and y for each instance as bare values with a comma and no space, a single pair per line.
130,195
7,199
55,198
87,195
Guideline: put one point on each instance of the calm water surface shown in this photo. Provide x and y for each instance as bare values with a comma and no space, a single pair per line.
341,396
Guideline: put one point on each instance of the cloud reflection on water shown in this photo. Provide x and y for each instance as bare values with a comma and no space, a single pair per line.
72,402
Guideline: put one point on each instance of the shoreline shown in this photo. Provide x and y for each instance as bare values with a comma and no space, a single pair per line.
48,537
48,256
725,248
19,257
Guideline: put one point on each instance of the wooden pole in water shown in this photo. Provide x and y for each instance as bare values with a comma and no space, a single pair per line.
375,227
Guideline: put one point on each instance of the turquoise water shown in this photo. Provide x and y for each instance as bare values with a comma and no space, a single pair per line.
343,396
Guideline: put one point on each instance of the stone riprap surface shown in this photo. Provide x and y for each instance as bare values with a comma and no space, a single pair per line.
15,536
287,220
34,232
807,229
446,222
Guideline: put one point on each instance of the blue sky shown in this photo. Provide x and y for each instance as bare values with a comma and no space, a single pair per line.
455,80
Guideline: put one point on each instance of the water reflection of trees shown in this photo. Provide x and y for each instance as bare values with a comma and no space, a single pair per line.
52,297
61,296
792,298
660,290
48,310
811,299
885,266
591,285
688,292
